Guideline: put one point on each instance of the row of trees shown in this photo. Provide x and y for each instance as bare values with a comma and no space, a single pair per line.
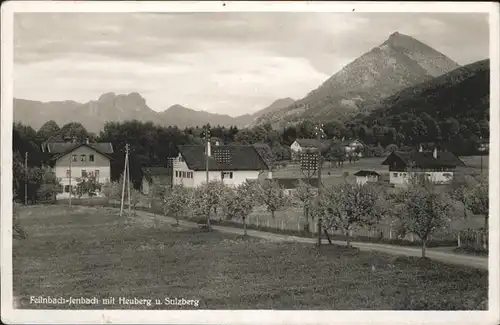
421,209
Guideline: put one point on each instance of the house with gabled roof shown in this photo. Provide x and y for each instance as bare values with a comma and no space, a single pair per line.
231,164
300,145
438,167
71,161
366,176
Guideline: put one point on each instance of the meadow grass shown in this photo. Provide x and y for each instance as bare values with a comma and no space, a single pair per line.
89,252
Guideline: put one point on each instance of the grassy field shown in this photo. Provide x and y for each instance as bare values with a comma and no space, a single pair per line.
87,252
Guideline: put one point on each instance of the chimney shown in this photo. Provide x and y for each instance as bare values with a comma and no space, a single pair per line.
420,149
435,153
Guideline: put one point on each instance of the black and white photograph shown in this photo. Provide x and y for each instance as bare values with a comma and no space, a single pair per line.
175,162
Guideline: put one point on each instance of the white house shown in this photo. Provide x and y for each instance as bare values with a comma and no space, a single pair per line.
353,146
300,145
72,161
438,167
231,164
366,176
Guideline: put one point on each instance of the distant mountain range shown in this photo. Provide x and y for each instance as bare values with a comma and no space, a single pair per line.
362,86
399,62
112,107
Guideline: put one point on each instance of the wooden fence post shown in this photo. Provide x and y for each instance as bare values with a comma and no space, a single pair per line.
411,237
458,240
390,233
267,223
257,221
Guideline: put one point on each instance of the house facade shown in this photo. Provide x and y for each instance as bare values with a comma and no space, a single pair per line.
73,161
366,176
300,145
230,164
353,146
438,167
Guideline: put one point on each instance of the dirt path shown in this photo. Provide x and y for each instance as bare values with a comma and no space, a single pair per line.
435,254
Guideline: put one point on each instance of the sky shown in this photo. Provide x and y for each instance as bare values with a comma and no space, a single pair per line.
228,63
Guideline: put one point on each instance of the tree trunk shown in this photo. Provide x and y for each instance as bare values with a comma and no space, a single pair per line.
328,237
348,240
424,242
306,214
244,226
272,214
465,210
486,222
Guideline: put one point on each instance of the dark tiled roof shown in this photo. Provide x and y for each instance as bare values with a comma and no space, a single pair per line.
240,157
57,150
64,147
291,183
366,173
264,152
313,143
425,159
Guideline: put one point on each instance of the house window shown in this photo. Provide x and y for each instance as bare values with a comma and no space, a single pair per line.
183,174
176,174
66,188
227,175
395,174
91,157
180,159
68,173
84,173
73,158
97,174
83,158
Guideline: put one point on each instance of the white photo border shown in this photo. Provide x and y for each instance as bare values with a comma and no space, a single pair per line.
18,316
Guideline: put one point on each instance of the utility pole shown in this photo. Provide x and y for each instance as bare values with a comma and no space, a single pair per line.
128,181
70,188
207,155
319,134
124,179
26,178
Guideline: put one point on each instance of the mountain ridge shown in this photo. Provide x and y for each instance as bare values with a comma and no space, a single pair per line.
398,62
112,107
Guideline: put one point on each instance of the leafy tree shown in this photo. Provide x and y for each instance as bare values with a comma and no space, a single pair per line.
240,202
378,151
348,207
273,196
391,148
207,198
18,232
175,201
47,130
304,194
74,130
88,185
49,186
422,210
459,191
478,199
